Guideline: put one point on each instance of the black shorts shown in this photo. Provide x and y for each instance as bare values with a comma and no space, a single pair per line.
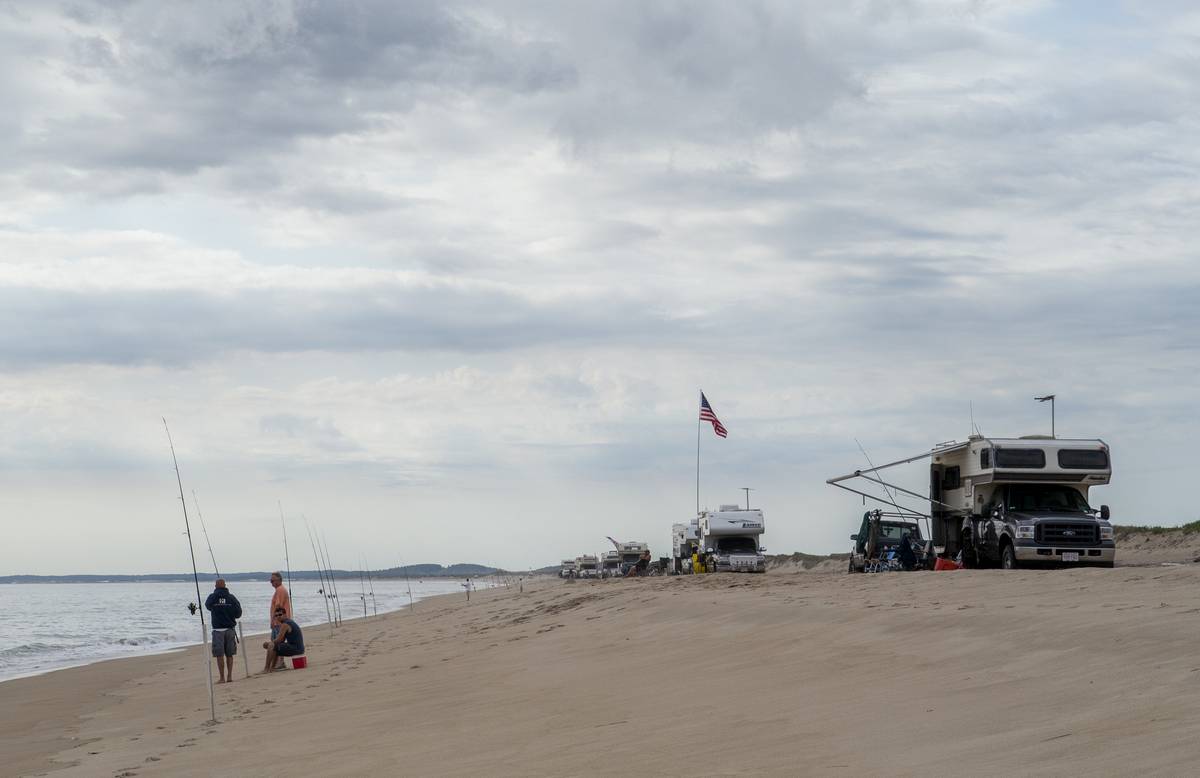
287,649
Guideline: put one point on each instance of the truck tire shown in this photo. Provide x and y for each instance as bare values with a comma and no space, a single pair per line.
1008,557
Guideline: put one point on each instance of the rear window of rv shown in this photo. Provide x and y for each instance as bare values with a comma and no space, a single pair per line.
1020,457
1082,459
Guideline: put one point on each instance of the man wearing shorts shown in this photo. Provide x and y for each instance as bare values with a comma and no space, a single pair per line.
226,610
280,599
288,641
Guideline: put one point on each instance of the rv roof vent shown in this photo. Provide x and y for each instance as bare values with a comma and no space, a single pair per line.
730,507
1036,437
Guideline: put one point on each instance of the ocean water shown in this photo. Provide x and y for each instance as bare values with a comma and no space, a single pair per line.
50,626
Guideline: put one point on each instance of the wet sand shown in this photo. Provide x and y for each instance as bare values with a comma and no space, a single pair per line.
968,673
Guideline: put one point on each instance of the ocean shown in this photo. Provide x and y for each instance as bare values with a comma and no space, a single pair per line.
49,626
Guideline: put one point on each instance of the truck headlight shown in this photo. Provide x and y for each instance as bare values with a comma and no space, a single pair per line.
1025,533
1106,533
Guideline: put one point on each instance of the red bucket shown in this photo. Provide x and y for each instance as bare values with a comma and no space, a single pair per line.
940,564
299,662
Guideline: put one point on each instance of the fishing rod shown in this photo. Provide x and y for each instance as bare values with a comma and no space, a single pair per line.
287,559
407,581
333,598
217,570
320,574
212,702
371,583
362,589
337,601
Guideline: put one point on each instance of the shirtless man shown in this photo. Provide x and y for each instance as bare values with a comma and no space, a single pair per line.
280,600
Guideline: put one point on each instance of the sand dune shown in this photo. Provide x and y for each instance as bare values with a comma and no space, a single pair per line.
971,672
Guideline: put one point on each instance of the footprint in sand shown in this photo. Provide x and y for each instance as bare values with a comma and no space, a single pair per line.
153,759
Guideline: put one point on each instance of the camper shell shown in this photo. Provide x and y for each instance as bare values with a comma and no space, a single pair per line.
732,535
610,564
1010,501
685,539
630,552
587,566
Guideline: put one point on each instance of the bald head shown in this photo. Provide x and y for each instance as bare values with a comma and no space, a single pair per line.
220,583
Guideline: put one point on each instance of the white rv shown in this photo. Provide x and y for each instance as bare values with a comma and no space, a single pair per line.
685,538
630,552
1010,502
610,564
569,569
587,566
732,535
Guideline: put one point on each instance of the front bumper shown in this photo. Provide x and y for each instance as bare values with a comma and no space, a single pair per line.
1088,555
742,566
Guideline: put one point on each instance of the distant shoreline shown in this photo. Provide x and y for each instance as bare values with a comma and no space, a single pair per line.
413,571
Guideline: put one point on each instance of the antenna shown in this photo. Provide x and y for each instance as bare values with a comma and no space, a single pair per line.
747,490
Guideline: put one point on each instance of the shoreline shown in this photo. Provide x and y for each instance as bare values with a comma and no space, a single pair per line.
173,646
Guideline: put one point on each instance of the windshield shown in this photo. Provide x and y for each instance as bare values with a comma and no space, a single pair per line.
737,546
1045,497
897,531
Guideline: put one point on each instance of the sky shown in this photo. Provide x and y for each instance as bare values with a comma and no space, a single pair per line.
443,281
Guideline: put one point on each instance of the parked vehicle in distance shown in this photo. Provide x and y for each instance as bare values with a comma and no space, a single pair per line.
732,535
587,566
610,564
685,539
569,569
878,537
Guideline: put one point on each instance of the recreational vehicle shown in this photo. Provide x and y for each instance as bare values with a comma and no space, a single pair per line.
1009,502
610,564
587,566
630,552
732,535
685,538
569,569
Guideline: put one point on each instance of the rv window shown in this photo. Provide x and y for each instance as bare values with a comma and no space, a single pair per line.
1082,459
1020,457
985,459
950,478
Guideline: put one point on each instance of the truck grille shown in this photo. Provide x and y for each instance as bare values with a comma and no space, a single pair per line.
1063,534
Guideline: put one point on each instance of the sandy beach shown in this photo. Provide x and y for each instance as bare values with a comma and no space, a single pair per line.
970,672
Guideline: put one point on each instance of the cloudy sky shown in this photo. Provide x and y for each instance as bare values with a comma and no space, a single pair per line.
447,278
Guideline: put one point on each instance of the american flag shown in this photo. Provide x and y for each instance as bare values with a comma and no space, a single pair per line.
706,414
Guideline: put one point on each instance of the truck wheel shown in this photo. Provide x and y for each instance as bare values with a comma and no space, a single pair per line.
1008,557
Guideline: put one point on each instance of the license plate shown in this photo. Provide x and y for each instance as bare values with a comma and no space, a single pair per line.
1070,556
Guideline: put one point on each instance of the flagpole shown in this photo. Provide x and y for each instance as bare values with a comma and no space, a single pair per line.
699,428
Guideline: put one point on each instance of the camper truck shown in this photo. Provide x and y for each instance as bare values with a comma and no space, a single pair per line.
630,552
732,535
1009,502
685,538
569,569
587,566
610,564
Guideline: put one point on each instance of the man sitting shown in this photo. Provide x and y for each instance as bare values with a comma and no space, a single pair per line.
289,641
641,567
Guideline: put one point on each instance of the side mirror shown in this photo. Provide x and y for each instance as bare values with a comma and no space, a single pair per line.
762,550
854,536
1105,513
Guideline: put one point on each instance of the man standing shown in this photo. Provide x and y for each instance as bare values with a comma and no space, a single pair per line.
281,600
226,610
288,640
